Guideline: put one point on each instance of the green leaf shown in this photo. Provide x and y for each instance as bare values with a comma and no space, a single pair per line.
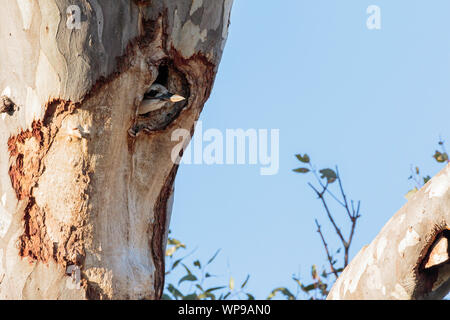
213,257
198,264
441,157
298,281
207,275
186,268
304,159
231,284
245,282
284,291
250,297
188,277
426,179
175,264
192,296
166,297
329,174
314,272
301,170
174,242
214,289
207,295
411,193
309,288
174,291
226,296
199,287
171,251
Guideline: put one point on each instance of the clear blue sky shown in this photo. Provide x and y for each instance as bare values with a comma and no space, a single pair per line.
373,102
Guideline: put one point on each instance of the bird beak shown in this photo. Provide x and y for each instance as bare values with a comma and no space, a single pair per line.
176,98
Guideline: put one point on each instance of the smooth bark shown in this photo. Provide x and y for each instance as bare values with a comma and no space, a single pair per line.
78,193
409,258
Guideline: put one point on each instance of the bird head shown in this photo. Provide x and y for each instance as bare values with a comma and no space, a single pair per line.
160,92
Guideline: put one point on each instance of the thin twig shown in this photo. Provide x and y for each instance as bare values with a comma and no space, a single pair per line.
330,258
330,217
343,194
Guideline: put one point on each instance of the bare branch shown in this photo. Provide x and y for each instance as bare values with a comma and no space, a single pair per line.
330,258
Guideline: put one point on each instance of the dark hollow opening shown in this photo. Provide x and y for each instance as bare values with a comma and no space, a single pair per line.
163,75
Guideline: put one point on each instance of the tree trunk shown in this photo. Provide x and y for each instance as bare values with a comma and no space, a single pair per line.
409,259
85,206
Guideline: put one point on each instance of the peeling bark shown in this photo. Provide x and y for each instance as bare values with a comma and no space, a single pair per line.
77,192
407,259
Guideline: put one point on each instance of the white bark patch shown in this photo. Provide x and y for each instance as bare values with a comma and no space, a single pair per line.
335,295
357,270
400,293
439,185
381,246
26,10
34,110
6,92
188,37
2,268
17,269
73,129
411,239
361,270
196,4
5,217
47,80
5,221
375,280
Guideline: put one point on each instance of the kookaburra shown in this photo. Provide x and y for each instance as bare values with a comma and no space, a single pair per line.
157,109
157,97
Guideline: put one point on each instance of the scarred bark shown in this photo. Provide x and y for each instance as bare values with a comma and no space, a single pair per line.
409,258
76,190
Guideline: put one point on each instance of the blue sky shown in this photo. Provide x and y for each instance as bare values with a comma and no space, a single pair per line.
373,102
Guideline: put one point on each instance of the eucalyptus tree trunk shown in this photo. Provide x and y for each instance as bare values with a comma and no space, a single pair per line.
85,206
409,258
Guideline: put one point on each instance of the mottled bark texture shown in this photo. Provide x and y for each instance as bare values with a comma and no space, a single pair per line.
409,258
77,193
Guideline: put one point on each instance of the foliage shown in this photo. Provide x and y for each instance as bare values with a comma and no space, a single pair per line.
327,181
418,179
328,187
196,278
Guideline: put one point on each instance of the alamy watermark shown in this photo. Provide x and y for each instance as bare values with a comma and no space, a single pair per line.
74,281
235,147
374,20
73,17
